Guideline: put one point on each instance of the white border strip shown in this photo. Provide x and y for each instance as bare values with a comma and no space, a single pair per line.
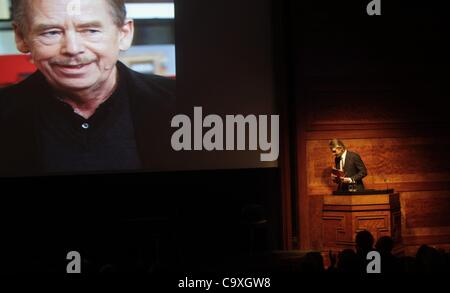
150,10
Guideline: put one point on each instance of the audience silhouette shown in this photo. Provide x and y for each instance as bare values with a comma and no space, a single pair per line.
389,263
427,259
364,244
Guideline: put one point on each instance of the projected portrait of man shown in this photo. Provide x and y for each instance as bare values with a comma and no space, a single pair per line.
83,110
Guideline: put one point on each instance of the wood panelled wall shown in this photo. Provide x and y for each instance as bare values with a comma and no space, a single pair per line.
381,85
400,129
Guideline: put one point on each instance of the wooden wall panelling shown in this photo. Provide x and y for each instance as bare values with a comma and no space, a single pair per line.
404,145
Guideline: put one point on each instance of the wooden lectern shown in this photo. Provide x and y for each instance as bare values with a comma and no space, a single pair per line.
345,215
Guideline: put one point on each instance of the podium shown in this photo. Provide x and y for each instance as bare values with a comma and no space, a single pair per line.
346,214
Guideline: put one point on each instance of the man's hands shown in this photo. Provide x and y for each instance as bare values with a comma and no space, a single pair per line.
347,180
335,179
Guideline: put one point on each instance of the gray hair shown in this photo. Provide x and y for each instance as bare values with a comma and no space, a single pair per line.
334,143
19,12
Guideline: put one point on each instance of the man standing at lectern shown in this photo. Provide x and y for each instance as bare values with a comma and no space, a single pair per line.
349,162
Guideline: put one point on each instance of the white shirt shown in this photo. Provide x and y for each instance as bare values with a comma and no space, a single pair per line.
342,161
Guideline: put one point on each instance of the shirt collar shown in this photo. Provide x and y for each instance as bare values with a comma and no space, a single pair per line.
59,107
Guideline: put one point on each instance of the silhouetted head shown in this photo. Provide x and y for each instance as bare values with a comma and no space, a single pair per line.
313,261
348,261
385,244
364,240
428,259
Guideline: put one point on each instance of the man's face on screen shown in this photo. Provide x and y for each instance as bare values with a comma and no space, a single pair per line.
76,48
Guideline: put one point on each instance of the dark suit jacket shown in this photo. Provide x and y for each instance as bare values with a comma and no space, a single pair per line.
354,168
152,103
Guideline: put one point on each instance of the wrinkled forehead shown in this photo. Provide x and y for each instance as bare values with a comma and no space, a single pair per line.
59,12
